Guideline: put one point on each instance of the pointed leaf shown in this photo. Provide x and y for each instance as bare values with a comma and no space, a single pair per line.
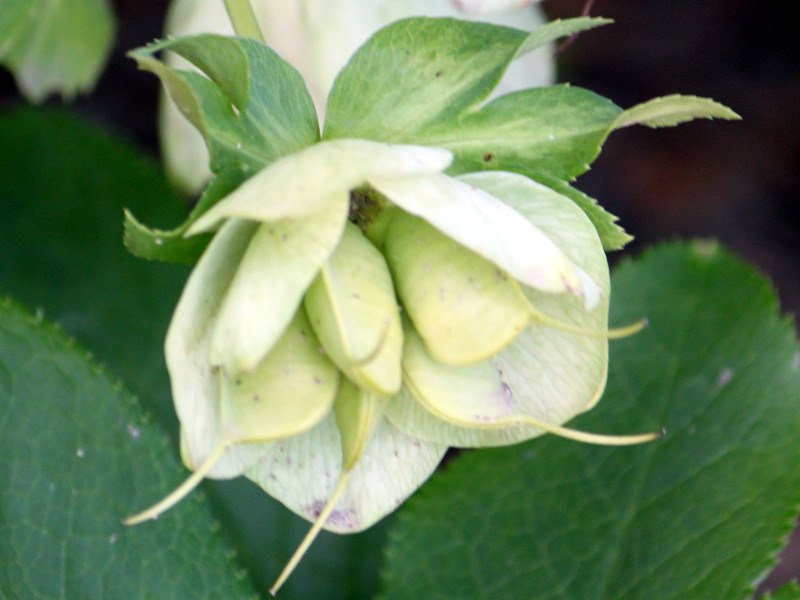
613,236
253,109
673,110
553,132
173,245
76,455
558,28
445,66
699,514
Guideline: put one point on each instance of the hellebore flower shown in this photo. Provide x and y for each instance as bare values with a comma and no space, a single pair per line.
317,37
423,277
292,363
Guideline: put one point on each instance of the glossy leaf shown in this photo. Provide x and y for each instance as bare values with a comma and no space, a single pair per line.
76,455
698,514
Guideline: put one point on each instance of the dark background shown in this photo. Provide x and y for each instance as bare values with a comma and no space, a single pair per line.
734,181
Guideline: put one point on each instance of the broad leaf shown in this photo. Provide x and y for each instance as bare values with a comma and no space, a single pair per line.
76,455
64,189
55,46
65,185
699,514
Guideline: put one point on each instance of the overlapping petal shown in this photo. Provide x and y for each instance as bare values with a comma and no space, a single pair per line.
546,373
233,335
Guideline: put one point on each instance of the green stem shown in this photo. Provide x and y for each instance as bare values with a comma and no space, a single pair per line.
243,19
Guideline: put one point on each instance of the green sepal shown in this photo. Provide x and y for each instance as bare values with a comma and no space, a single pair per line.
464,307
173,245
288,392
357,413
353,310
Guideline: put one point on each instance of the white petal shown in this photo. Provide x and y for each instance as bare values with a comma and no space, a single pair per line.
546,373
280,263
195,385
487,226
303,470
299,185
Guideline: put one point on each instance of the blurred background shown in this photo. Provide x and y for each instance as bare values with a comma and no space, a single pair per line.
734,181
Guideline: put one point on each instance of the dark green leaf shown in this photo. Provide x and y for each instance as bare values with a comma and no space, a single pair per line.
696,515
75,457
64,188
789,591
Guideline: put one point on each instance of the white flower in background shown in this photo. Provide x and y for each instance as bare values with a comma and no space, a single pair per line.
318,37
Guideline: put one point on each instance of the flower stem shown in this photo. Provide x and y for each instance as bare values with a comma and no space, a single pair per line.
243,19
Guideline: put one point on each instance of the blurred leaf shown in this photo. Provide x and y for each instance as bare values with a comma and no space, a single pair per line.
75,457
699,514
64,187
55,46
669,111
789,591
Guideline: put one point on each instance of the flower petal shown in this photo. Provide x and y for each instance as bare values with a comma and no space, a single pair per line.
353,310
546,373
464,307
299,185
280,263
302,472
288,392
478,220
195,385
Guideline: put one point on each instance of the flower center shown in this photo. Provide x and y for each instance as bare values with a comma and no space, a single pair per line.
365,206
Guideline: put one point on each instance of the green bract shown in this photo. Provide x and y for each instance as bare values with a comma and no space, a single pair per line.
421,277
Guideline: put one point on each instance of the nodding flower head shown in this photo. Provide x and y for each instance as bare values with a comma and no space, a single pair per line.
358,311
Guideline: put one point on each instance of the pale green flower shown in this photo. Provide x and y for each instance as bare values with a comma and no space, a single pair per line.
291,363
